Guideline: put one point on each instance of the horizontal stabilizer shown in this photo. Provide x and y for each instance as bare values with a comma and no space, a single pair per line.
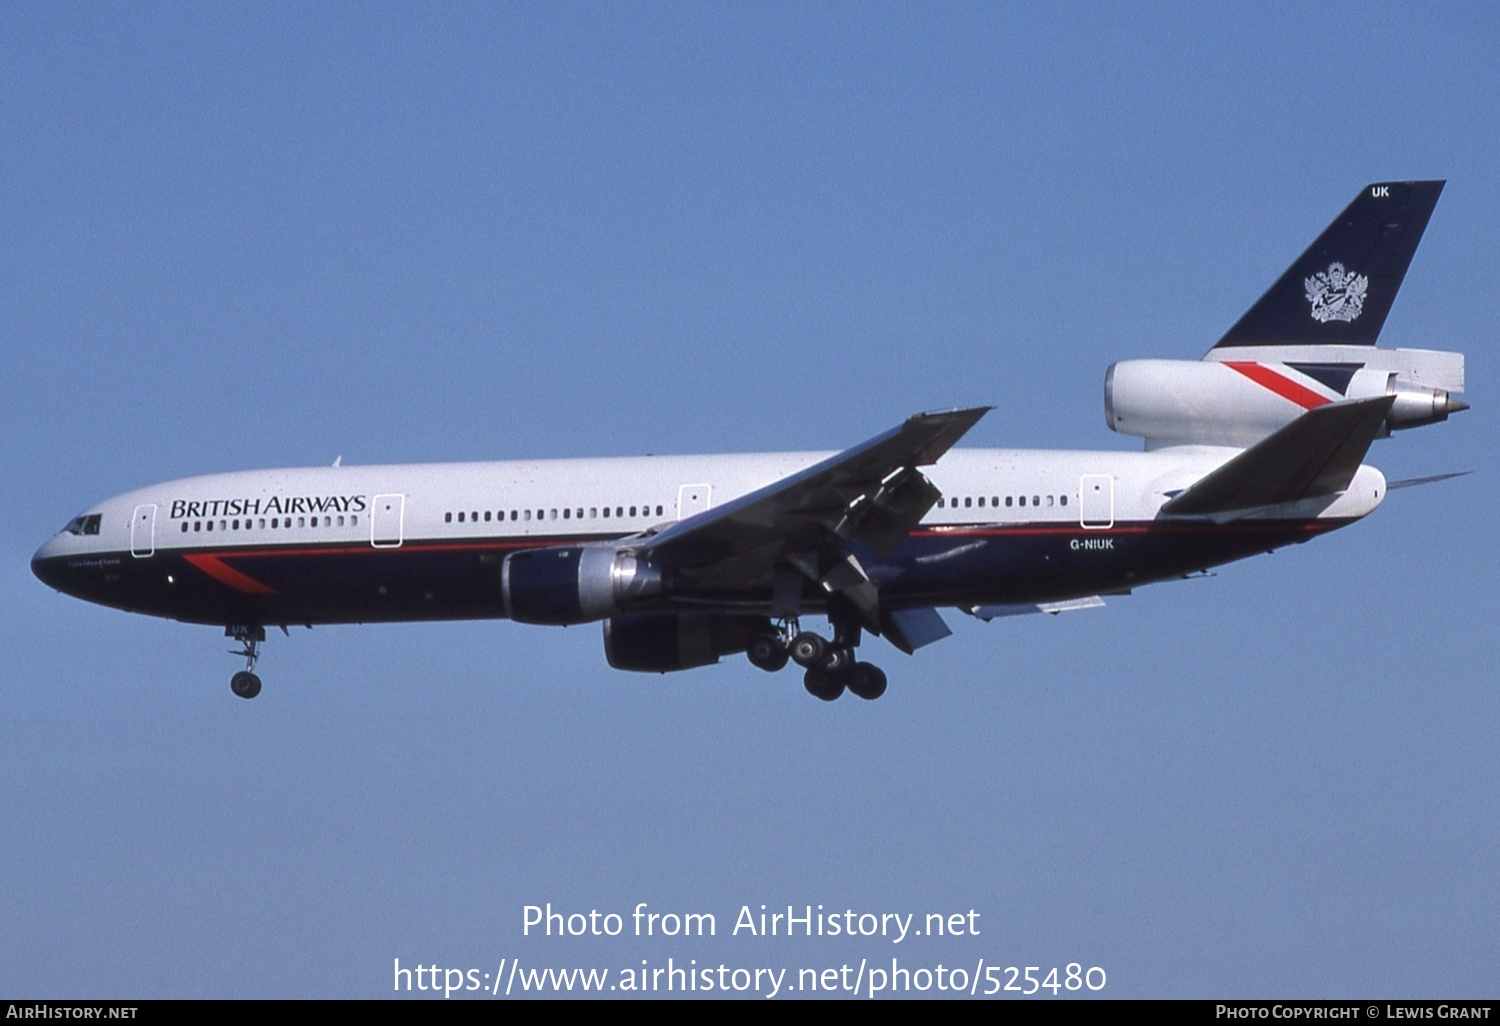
1316,454
1412,482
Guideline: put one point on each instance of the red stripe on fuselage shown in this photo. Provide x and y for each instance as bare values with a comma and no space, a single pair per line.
1282,385
214,566
226,574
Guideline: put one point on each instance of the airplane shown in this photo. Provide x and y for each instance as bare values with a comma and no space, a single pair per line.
686,559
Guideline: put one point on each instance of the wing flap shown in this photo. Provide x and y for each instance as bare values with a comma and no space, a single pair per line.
871,493
911,629
993,612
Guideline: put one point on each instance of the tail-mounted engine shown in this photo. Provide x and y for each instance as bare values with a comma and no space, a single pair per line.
1239,396
662,642
575,584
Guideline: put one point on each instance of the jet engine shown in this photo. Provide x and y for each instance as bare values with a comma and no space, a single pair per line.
1239,402
662,642
575,584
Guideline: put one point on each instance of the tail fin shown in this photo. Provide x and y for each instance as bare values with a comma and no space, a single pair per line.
1340,291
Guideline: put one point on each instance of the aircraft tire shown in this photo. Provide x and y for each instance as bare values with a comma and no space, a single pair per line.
820,685
867,681
245,684
767,653
838,662
808,650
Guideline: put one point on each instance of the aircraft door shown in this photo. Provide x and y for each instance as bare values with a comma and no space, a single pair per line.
387,521
143,531
693,499
1096,501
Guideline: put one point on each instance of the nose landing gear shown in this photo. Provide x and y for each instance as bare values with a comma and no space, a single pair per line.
246,684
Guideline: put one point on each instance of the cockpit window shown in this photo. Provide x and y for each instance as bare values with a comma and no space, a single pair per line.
86,524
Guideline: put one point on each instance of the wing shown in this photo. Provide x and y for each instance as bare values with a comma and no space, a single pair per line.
872,494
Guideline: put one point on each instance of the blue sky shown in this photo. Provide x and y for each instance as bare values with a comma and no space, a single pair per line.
266,235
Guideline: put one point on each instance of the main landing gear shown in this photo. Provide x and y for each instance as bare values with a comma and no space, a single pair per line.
829,666
245,683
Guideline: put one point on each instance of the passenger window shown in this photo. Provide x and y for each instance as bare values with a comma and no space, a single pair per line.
184,527
567,514
1023,500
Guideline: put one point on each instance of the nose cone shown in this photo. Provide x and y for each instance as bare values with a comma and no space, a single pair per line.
47,564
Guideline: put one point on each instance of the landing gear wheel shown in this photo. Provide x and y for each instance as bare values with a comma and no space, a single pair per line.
767,653
245,684
821,685
808,650
867,681
838,662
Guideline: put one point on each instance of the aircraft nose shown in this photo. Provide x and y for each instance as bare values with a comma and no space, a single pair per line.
46,565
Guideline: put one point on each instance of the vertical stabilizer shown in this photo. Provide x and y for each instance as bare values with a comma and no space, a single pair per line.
1340,290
